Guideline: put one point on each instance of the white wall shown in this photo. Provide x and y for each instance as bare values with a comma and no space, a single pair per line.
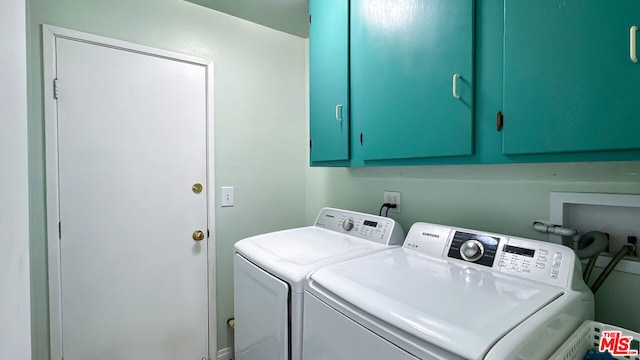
15,327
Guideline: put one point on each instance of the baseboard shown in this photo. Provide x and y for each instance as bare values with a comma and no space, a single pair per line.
225,354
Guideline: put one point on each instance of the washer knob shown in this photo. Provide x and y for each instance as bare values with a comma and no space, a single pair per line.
347,225
471,250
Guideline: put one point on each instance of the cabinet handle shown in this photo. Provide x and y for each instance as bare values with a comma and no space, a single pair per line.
632,43
339,112
455,86
499,121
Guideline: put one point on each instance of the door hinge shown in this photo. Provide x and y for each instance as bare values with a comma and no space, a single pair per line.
207,233
310,144
56,88
360,138
309,19
60,230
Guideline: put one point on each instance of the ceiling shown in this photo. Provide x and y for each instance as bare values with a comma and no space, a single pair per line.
290,16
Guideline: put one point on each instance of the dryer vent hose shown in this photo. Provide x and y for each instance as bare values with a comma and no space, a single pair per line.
591,244
232,323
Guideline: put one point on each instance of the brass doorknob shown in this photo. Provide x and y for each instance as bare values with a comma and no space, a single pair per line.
198,235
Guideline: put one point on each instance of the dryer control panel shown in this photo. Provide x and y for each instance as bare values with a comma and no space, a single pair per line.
379,229
532,259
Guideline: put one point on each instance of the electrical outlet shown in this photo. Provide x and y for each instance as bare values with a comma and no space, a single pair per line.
393,197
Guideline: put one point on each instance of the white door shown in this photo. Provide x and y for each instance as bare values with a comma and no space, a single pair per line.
132,141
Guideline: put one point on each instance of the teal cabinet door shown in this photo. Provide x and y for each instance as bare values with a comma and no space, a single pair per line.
570,84
329,80
412,78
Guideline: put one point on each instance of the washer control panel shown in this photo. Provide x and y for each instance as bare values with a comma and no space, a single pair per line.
532,259
478,248
379,229
539,260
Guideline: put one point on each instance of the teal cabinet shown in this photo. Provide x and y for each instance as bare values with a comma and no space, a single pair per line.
570,84
560,72
329,80
411,78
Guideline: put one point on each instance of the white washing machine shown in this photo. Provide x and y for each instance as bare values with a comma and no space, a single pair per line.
448,293
270,272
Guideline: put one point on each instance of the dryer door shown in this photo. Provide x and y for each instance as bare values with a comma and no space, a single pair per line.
261,304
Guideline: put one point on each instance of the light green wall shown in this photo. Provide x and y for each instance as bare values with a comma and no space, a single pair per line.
497,198
260,136
288,16
15,319
500,198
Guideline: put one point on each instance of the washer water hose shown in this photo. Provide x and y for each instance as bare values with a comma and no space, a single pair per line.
626,250
589,246
589,268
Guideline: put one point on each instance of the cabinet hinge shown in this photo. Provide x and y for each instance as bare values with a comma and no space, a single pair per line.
207,233
60,230
56,88
499,121
360,138
310,144
309,19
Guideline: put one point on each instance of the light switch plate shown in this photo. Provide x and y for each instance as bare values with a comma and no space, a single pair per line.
227,196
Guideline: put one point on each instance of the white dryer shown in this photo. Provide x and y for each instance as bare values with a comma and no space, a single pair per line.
270,272
448,293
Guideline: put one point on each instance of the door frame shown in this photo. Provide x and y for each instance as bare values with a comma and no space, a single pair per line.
49,35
